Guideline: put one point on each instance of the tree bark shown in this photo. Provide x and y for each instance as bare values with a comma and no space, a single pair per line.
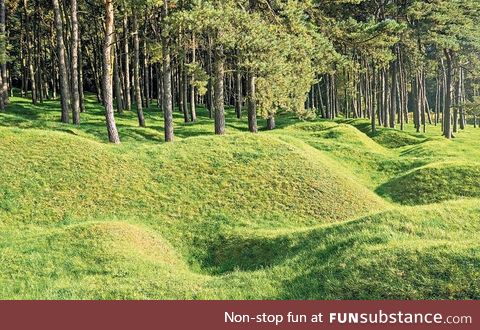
393,95
74,64
448,96
252,104
128,100
238,93
184,86
3,52
146,76
136,73
3,57
219,99
80,77
373,117
210,92
107,73
64,85
167,83
193,109
271,125
117,83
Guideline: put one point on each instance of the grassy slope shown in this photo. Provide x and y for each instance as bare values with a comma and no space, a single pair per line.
296,213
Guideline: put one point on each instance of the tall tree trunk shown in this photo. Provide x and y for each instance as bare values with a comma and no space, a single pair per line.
3,56
193,110
373,118
30,72
184,86
80,77
393,94
386,110
252,104
64,85
23,62
127,92
462,100
159,86
448,95
210,80
238,93
167,83
74,64
107,73
219,99
136,72
4,85
117,84
146,76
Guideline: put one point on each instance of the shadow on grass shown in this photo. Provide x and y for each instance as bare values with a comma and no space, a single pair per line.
22,113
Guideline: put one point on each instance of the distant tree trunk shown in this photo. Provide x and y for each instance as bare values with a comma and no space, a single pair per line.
448,95
393,95
74,64
3,57
193,110
136,72
159,86
219,99
373,117
210,80
422,98
238,93
64,85
128,100
146,76
23,89
96,75
117,83
184,86
80,78
458,92
54,73
37,56
3,54
386,112
461,100
252,104
2,102
271,125
167,83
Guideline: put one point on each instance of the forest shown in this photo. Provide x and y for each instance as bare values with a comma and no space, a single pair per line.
239,149
388,61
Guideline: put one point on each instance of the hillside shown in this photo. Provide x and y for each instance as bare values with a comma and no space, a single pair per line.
312,210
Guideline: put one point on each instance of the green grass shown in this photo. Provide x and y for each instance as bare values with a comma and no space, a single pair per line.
312,210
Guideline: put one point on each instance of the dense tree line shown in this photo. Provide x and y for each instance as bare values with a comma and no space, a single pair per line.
391,61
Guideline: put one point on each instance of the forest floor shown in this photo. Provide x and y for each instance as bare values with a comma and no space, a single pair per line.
312,210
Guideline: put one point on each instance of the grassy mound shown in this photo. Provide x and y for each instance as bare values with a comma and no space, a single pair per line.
409,253
386,137
396,139
101,260
434,183
50,176
370,162
287,214
66,177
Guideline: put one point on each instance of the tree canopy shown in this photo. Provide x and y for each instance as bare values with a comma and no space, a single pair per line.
387,60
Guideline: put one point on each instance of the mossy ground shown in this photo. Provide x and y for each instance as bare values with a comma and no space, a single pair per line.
312,210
